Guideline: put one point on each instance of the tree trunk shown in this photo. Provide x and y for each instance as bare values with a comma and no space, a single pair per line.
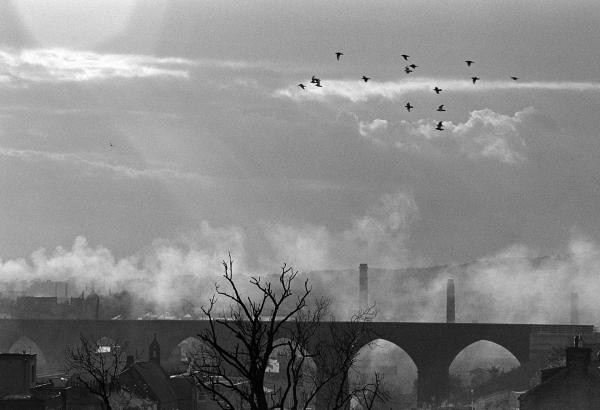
261,400
106,403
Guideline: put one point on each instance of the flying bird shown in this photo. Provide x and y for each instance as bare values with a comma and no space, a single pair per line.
405,57
469,62
365,78
302,86
413,66
474,79
314,80
409,107
407,70
338,55
110,144
439,126
437,89
441,108
515,78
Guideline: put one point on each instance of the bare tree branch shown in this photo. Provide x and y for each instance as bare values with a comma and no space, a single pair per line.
97,366
237,347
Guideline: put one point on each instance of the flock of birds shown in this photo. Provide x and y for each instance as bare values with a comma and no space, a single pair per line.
407,69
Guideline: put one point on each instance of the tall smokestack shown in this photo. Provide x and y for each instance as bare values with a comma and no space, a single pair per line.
363,286
450,306
574,308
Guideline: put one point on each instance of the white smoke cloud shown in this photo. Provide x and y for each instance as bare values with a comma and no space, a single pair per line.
165,273
357,91
64,65
523,290
514,285
117,169
168,271
511,286
373,130
306,247
492,135
380,234
485,134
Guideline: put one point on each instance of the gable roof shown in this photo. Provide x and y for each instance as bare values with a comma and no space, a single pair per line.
557,376
153,377
183,386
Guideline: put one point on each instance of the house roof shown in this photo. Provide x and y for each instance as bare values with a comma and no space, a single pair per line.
592,377
154,377
183,386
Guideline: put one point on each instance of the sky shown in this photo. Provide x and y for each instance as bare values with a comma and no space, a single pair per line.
157,133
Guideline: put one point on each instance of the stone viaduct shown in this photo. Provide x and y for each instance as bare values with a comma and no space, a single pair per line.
431,346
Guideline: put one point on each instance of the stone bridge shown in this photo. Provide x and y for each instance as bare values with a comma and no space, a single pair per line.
431,346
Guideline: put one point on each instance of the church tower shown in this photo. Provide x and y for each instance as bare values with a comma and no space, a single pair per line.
154,351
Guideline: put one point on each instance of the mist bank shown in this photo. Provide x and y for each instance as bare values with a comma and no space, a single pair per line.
514,285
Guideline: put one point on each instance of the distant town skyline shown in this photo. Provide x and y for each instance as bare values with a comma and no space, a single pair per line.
165,134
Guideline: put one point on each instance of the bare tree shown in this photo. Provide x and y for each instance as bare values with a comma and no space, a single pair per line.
97,366
337,353
238,345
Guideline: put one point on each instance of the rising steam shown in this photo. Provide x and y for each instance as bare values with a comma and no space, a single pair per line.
513,286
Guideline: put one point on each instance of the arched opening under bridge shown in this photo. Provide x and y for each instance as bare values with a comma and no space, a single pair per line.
26,345
182,355
105,345
290,366
395,369
484,368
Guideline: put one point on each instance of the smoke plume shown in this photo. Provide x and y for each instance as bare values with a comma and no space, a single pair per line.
514,285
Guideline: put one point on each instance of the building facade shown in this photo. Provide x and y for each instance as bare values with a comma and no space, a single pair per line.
575,386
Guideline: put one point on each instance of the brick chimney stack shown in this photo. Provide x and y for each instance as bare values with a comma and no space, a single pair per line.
450,303
574,308
363,286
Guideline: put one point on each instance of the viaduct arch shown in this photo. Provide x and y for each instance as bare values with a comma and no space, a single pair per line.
431,346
